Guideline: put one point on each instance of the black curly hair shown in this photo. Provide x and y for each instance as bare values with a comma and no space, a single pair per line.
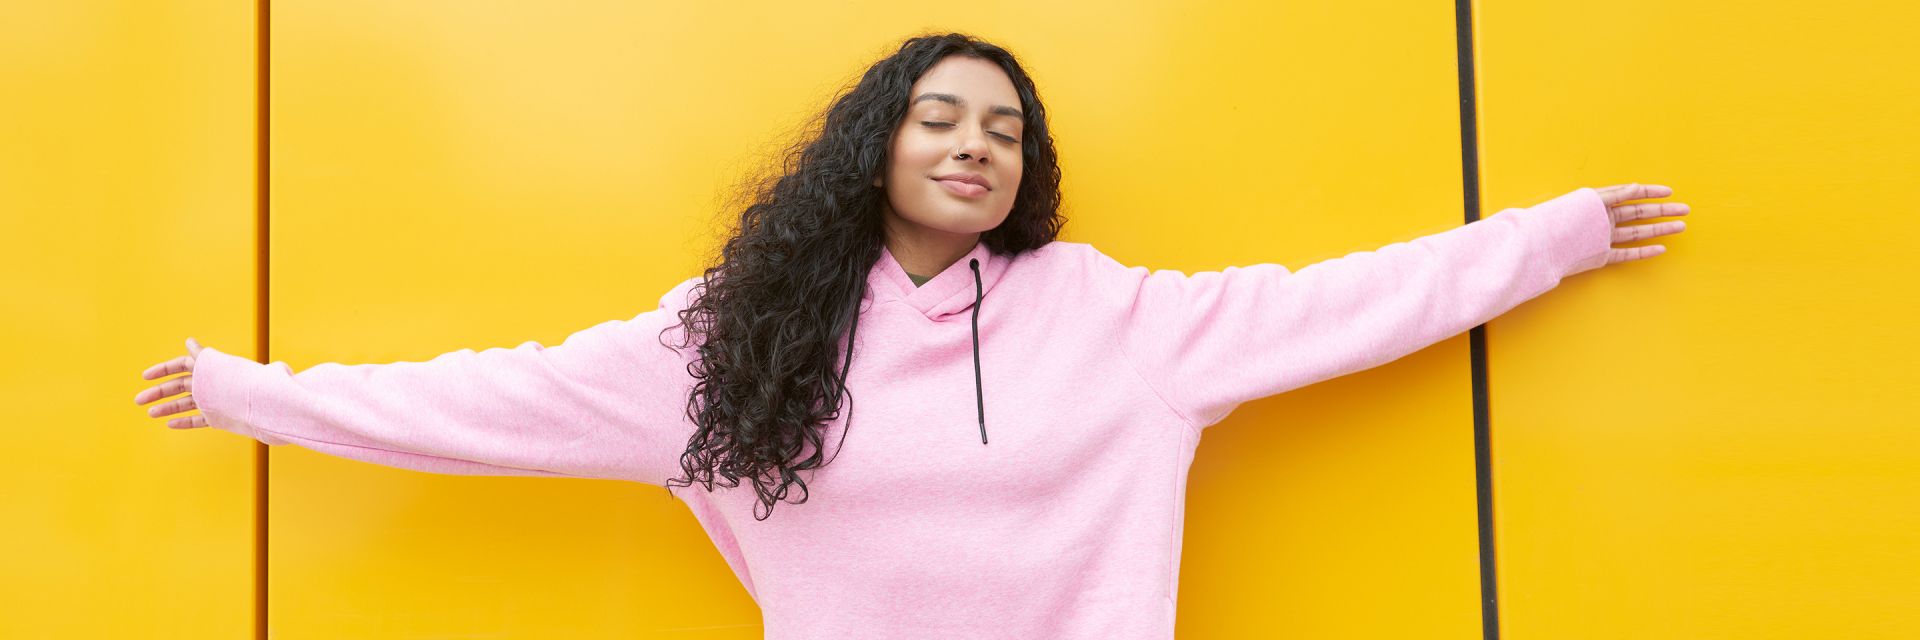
788,282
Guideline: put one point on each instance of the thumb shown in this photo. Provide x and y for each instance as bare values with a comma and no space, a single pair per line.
193,347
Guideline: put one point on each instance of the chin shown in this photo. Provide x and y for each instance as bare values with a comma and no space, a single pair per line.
957,218
970,223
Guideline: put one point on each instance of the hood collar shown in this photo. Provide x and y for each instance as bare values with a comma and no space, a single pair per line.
962,286
949,293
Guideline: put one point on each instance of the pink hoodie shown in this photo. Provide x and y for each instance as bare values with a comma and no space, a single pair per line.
1025,479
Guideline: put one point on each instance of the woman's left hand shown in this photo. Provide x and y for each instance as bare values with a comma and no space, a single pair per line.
1621,213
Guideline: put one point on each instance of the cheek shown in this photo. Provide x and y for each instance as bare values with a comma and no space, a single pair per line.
914,153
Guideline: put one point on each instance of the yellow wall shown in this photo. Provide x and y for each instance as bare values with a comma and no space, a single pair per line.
1714,443
127,207
445,178
1720,442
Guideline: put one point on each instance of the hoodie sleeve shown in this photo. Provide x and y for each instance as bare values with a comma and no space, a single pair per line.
1213,340
607,402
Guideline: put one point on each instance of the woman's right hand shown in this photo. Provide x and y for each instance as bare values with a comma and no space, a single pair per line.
182,364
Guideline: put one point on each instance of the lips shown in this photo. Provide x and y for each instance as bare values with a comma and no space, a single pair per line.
968,178
962,189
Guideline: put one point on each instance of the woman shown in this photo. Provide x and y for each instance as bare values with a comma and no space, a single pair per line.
1021,466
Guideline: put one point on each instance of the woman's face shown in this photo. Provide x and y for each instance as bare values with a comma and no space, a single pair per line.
960,106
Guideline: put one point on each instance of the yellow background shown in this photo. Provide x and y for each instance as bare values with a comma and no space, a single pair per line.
1718,442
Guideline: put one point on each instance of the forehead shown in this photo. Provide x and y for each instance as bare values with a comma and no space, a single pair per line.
979,82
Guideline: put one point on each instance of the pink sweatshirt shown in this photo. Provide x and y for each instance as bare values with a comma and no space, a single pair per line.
1091,382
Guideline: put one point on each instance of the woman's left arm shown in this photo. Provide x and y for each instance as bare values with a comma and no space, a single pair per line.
1213,340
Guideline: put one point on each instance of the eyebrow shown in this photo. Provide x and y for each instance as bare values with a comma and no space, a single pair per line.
998,109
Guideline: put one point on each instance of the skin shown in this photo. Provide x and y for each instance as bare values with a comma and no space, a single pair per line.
929,228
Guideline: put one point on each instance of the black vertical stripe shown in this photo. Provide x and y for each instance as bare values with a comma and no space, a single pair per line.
1477,337
262,38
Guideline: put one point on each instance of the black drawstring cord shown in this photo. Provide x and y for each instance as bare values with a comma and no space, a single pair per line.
978,393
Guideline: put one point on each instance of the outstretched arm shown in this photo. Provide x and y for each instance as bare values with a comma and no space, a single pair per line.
607,402
1213,340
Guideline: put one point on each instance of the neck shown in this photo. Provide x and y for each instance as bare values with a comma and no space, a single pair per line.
925,251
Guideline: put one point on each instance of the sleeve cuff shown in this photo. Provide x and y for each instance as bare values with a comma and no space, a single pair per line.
1578,231
223,390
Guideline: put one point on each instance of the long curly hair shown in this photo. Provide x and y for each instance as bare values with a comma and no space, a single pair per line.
788,282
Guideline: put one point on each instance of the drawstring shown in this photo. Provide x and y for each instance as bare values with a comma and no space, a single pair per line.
979,394
977,391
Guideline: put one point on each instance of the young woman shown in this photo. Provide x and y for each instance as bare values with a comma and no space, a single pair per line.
1020,464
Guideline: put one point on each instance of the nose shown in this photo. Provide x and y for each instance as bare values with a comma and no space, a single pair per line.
973,146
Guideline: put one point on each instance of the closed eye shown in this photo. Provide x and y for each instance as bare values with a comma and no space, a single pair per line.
1003,136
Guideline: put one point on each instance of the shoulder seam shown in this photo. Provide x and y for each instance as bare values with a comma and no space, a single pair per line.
1193,429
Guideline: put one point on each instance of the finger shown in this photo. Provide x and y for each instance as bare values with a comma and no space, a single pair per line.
193,346
1629,212
1623,235
189,422
1634,253
162,409
164,369
182,405
1633,191
164,389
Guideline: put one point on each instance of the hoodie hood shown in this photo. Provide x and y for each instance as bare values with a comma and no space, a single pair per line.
950,293
961,288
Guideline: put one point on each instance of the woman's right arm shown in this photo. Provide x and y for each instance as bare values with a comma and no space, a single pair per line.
607,402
